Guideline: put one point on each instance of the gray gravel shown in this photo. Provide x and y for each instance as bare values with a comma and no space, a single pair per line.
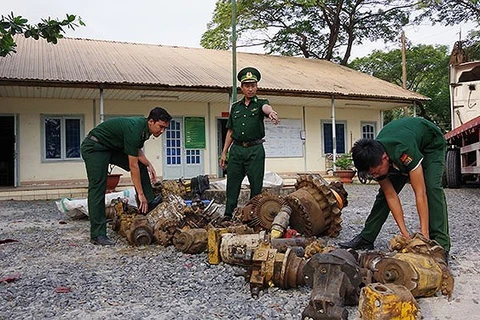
153,282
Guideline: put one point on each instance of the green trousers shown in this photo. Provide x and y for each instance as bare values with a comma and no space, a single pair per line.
433,167
97,158
250,162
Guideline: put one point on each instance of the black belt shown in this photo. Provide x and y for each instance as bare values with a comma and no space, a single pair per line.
247,144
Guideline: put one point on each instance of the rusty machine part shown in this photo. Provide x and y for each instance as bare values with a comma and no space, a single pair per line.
186,189
238,248
172,187
271,268
419,266
140,232
164,231
387,302
281,222
260,211
335,280
315,209
127,223
172,207
191,241
282,244
215,236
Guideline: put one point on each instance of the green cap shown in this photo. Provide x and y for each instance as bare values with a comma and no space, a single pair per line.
249,74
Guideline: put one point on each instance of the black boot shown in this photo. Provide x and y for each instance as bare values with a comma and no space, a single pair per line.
357,243
102,240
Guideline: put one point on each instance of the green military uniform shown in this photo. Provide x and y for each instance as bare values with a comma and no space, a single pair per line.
111,142
409,142
247,154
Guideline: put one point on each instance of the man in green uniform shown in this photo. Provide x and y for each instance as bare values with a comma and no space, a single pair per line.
119,141
246,130
405,149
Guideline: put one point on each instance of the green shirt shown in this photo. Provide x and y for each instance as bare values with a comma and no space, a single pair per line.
247,122
127,134
408,140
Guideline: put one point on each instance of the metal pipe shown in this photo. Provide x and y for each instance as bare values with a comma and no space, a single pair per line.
234,50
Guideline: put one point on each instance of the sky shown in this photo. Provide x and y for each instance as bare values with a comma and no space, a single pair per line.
175,22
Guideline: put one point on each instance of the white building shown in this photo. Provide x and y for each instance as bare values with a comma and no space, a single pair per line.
52,95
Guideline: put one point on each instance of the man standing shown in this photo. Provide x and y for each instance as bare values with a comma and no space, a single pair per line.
405,149
119,141
246,130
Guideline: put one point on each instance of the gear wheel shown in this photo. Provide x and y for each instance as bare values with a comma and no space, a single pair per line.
263,208
315,209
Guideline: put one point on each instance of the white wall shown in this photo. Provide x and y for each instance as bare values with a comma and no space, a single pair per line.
29,113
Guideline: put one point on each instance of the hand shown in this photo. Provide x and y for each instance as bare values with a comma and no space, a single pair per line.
143,206
274,117
223,161
406,235
152,173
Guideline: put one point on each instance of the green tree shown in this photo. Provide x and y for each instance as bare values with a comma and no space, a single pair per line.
310,28
427,74
48,29
449,12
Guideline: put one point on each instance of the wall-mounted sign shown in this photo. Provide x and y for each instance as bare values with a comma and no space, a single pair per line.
195,133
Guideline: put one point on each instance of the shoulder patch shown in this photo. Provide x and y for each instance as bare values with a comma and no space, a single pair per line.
406,159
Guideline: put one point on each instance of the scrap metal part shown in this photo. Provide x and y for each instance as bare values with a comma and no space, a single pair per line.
140,232
335,280
184,188
127,223
315,208
215,239
260,211
271,268
420,266
387,302
238,249
191,241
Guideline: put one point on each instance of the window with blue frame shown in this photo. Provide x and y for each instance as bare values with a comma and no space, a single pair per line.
61,137
328,140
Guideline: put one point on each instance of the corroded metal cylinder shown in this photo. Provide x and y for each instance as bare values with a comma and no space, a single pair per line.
140,232
420,267
238,249
271,268
191,241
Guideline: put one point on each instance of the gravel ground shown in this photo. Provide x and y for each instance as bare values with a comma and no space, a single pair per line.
53,253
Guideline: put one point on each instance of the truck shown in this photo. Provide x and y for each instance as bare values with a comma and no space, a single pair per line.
462,164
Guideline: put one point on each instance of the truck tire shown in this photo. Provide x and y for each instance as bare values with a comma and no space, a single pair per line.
452,168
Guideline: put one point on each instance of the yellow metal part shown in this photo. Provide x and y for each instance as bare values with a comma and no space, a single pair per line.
276,234
387,302
429,273
214,240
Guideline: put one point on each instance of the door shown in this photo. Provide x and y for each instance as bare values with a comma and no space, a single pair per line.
179,162
221,135
8,156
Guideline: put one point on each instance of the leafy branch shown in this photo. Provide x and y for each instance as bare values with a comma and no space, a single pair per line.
48,29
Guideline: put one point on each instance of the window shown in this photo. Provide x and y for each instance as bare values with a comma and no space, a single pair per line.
61,137
327,137
368,130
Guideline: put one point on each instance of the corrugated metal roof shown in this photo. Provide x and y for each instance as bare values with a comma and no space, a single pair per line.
95,62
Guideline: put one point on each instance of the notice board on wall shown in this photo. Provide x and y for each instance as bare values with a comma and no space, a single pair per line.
195,132
283,140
